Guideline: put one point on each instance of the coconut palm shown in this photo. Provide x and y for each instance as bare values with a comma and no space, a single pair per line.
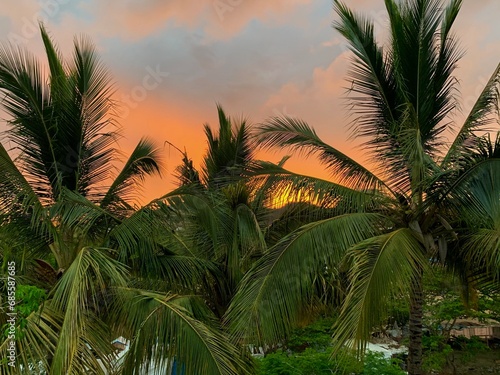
227,229
71,226
236,214
400,215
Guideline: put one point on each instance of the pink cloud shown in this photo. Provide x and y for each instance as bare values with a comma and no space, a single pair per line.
220,18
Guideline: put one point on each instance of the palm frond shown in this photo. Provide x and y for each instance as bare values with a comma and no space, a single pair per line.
181,272
475,201
377,103
136,240
144,161
27,101
35,342
76,213
407,92
91,139
21,208
186,173
62,127
139,237
424,64
483,114
82,337
250,235
482,251
372,77
228,152
293,133
381,266
278,186
273,292
16,194
460,191
168,330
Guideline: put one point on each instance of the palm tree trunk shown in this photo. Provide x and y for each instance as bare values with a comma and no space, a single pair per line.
416,313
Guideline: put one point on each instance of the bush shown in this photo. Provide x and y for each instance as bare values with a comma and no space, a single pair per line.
377,364
309,362
309,353
469,347
313,362
435,352
317,335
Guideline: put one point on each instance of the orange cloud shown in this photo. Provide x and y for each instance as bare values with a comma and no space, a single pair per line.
220,18
288,64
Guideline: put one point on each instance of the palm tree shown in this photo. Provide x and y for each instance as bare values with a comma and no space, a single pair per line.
398,217
224,225
235,213
73,230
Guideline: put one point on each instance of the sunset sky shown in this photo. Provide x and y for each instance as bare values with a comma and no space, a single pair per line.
257,58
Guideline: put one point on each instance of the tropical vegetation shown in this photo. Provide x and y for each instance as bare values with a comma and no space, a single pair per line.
424,200
96,265
246,254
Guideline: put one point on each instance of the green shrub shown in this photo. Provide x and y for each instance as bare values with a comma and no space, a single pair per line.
309,362
435,353
377,364
309,353
29,298
317,335
469,347
313,362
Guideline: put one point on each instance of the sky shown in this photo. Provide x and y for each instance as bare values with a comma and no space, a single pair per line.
173,60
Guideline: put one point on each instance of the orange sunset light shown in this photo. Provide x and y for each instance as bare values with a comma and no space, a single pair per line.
172,61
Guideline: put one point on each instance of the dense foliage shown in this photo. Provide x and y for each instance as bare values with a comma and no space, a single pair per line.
308,352
245,253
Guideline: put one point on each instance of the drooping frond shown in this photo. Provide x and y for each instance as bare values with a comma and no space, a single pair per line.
273,292
168,332
75,213
381,266
145,240
83,337
139,237
35,342
250,236
240,240
458,191
16,194
136,240
181,272
278,186
475,200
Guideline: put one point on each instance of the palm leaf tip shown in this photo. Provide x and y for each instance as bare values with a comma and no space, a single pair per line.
144,161
297,135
